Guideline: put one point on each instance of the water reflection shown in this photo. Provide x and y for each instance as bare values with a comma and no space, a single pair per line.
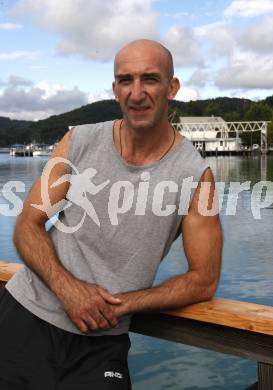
159,364
24,169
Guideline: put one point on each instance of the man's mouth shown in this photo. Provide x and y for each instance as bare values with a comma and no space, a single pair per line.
139,108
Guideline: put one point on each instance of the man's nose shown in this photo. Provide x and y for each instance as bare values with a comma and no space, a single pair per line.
137,91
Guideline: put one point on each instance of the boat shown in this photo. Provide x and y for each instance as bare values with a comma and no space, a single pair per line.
41,149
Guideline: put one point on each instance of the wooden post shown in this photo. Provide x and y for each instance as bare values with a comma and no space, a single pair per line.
265,376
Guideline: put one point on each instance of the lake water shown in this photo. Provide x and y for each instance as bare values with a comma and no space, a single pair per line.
247,275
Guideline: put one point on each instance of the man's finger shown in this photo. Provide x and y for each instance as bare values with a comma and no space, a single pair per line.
109,315
109,298
101,321
91,322
80,324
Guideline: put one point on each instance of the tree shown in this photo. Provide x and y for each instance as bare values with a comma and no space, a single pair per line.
270,132
259,112
213,108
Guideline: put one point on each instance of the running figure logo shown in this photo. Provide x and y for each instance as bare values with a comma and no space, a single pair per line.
80,185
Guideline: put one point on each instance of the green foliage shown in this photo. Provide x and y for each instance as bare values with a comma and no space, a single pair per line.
270,132
250,138
259,112
213,108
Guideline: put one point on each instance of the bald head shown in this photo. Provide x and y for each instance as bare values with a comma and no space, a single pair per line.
147,46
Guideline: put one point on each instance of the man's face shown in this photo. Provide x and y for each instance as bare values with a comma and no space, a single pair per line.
143,86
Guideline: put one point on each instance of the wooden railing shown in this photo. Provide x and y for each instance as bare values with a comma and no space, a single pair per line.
228,326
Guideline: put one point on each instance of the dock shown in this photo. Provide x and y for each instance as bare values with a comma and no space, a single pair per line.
20,150
31,150
229,326
4,150
213,136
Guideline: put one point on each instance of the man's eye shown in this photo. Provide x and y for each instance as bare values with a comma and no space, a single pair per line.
151,79
124,81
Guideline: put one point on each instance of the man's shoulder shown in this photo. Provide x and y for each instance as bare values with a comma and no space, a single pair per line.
89,132
87,127
88,138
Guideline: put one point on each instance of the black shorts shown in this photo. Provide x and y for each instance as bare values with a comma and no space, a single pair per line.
35,355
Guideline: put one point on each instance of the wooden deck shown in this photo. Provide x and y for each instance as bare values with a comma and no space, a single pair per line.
233,327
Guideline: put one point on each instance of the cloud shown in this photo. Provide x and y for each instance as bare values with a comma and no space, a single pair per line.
10,26
220,37
66,100
104,95
243,55
186,94
258,38
21,99
14,99
93,29
204,29
104,27
183,45
199,78
249,8
16,81
225,37
19,54
246,70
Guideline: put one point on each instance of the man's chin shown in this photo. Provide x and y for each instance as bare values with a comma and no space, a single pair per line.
140,123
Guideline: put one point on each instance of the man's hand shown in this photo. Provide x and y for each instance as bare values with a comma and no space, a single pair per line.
89,306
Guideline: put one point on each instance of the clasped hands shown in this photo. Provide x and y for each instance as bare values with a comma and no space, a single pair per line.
91,307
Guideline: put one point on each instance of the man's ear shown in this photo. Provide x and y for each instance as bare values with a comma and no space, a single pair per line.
114,90
173,88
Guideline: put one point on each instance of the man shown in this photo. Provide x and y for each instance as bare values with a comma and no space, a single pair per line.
64,318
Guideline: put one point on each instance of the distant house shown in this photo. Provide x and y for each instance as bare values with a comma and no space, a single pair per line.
209,134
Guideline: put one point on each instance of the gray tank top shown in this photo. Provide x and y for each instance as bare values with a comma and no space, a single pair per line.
123,218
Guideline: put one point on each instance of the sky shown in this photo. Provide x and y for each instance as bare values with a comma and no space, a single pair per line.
58,55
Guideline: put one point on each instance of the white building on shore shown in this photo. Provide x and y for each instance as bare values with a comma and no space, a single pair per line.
209,134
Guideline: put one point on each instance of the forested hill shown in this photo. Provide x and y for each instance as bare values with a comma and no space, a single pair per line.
8,123
51,129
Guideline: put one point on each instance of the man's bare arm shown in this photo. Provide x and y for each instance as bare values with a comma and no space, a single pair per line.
202,240
30,238
86,304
